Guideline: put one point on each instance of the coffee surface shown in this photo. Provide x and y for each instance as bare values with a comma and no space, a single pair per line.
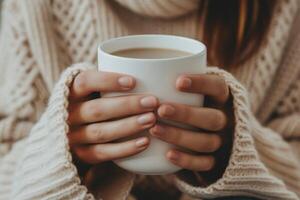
151,53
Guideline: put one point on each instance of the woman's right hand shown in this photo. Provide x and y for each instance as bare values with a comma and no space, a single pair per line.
96,123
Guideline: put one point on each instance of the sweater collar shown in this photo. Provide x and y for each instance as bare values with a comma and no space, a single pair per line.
160,8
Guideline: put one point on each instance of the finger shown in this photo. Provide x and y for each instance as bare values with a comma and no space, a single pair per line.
191,162
199,142
201,117
108,108
104,132
94,154
210,85
94,81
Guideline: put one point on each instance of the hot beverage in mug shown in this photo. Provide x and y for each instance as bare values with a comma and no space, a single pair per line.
155,61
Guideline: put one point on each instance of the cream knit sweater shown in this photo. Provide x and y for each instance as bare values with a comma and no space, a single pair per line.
40,39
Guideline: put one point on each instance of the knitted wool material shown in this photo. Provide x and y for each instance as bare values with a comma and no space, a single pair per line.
40,39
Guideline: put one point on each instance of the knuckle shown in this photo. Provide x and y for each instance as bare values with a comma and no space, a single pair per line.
94,111
97,134
126,102
174,135
186,114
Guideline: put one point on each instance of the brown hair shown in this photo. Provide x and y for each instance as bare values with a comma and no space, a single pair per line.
234,29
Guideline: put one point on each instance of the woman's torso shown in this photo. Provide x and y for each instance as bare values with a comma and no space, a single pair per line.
77,27
80,29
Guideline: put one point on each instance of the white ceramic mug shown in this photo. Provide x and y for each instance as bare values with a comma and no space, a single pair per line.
156,77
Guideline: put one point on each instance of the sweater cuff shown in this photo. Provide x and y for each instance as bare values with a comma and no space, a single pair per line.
245,174
45,169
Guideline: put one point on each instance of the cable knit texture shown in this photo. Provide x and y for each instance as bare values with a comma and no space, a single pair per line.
40,39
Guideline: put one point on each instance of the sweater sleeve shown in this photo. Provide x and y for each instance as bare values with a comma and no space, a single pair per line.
35,159
287,122
262,164
287,126
26,172
40,165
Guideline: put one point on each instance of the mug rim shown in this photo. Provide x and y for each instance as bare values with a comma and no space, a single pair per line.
202,47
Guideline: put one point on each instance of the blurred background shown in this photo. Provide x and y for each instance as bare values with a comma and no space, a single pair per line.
0,10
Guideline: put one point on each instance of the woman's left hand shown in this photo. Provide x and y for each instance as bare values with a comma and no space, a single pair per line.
212,121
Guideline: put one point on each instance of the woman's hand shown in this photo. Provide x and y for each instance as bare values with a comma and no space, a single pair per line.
211,121
96,123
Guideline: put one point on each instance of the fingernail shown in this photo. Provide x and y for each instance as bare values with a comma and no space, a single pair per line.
141,142
125,81
146,119
167,110
149,102
173,155
185,82
158,130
